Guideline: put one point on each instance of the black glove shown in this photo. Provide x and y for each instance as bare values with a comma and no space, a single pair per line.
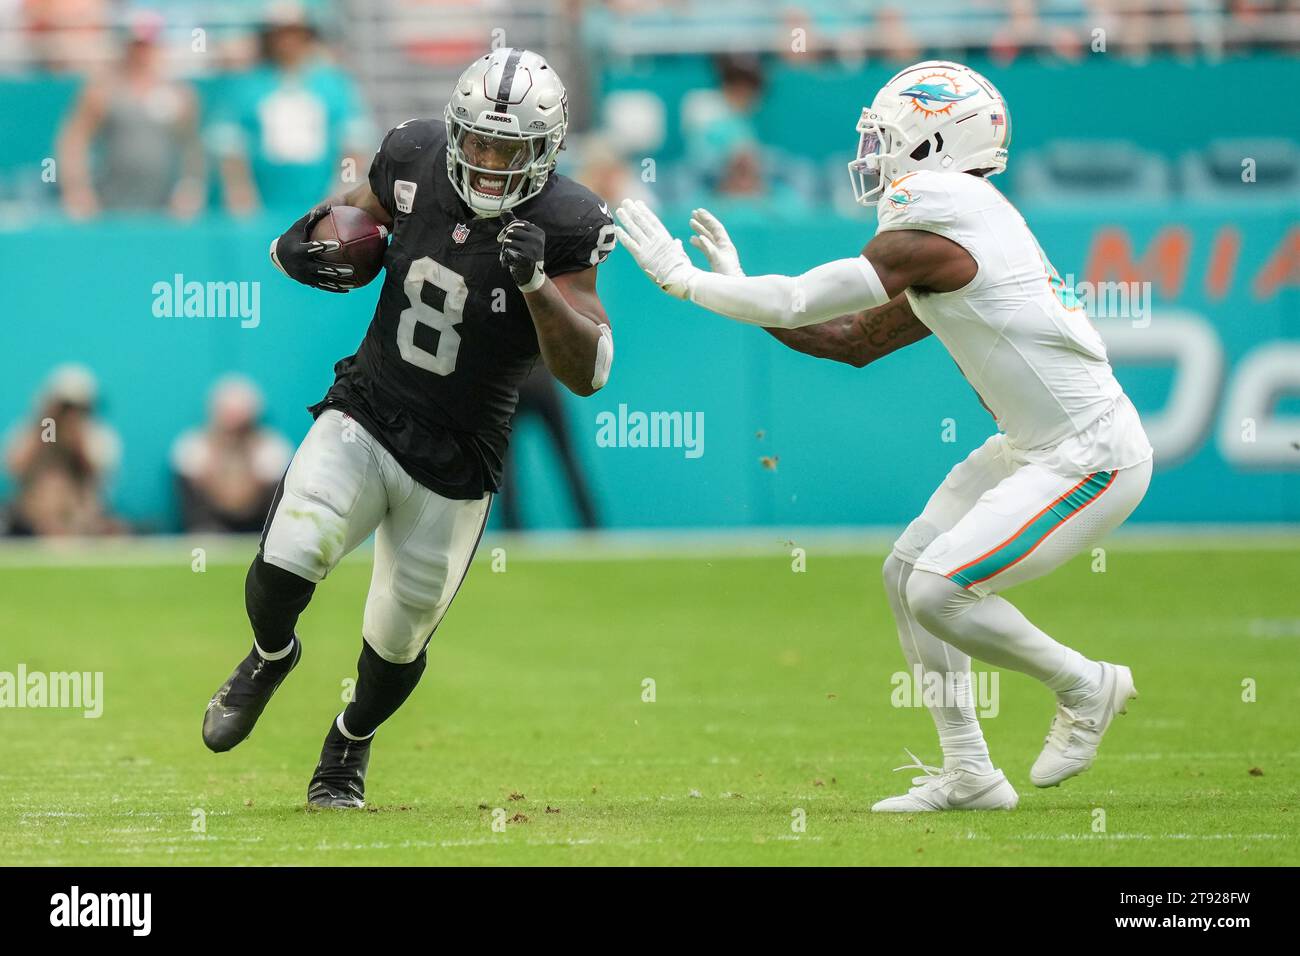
295,254
523,247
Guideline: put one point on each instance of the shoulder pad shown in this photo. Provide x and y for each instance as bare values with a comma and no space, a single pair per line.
922,197
403,143
569,207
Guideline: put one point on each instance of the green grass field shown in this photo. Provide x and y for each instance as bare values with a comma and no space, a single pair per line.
772,696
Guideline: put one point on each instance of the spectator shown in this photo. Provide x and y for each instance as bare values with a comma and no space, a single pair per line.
897,43
608,173
1031,31
742,173
61,463
746,183
726,156
293,126
144,128
716,120
62,36
226,472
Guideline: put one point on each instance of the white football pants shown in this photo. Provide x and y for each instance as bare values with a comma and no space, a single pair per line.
997,521
342,485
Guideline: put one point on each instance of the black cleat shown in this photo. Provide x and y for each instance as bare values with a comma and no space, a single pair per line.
235,707
340,777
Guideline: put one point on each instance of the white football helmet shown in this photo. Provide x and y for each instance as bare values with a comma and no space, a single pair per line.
505,128
933,115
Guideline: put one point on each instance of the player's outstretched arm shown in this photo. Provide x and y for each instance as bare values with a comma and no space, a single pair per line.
908,259
902,259
858,339
919,260
830,290
572,327
712,239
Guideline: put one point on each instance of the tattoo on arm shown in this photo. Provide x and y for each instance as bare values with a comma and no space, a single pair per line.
878,332
827,340
860,338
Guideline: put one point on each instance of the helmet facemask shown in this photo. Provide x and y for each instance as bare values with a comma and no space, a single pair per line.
876,161
493,169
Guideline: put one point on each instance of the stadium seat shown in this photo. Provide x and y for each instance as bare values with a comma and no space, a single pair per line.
1073,170
1217,172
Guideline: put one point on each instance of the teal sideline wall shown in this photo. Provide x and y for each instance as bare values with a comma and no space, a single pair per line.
854,446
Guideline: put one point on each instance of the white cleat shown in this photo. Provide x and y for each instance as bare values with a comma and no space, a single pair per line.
1076,732
951,790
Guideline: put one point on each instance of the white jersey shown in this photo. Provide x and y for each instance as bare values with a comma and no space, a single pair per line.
1037,363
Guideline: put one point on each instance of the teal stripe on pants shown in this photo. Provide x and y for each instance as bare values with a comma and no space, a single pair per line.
1028,537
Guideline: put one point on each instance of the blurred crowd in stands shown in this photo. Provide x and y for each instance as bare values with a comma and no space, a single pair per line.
62,459
290,130
256,111
268,119
903,32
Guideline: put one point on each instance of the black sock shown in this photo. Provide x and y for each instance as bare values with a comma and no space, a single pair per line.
381,689
274,598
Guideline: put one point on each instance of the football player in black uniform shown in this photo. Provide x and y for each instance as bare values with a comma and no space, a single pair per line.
492,263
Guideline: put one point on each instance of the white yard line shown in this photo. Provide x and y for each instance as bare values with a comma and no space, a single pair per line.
1103,837
180,550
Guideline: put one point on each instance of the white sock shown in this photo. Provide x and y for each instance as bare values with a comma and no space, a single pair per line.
338,722
992,630
965,749
279,655
959,730
1078,678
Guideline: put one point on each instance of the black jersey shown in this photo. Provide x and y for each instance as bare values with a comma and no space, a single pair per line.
437,377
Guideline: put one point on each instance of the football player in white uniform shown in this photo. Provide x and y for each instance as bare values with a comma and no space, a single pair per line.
1068,463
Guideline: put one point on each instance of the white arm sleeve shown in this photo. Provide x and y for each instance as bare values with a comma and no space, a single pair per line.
790,302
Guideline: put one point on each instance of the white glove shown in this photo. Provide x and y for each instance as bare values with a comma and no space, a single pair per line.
660,255
711,239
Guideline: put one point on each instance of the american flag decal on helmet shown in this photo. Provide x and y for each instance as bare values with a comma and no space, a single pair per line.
997,119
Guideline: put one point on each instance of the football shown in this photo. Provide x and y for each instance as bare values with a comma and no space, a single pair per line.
362,241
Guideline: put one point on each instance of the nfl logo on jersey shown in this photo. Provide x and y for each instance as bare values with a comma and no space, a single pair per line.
460,233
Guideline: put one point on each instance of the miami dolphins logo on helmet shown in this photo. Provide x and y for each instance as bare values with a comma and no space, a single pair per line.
936,94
